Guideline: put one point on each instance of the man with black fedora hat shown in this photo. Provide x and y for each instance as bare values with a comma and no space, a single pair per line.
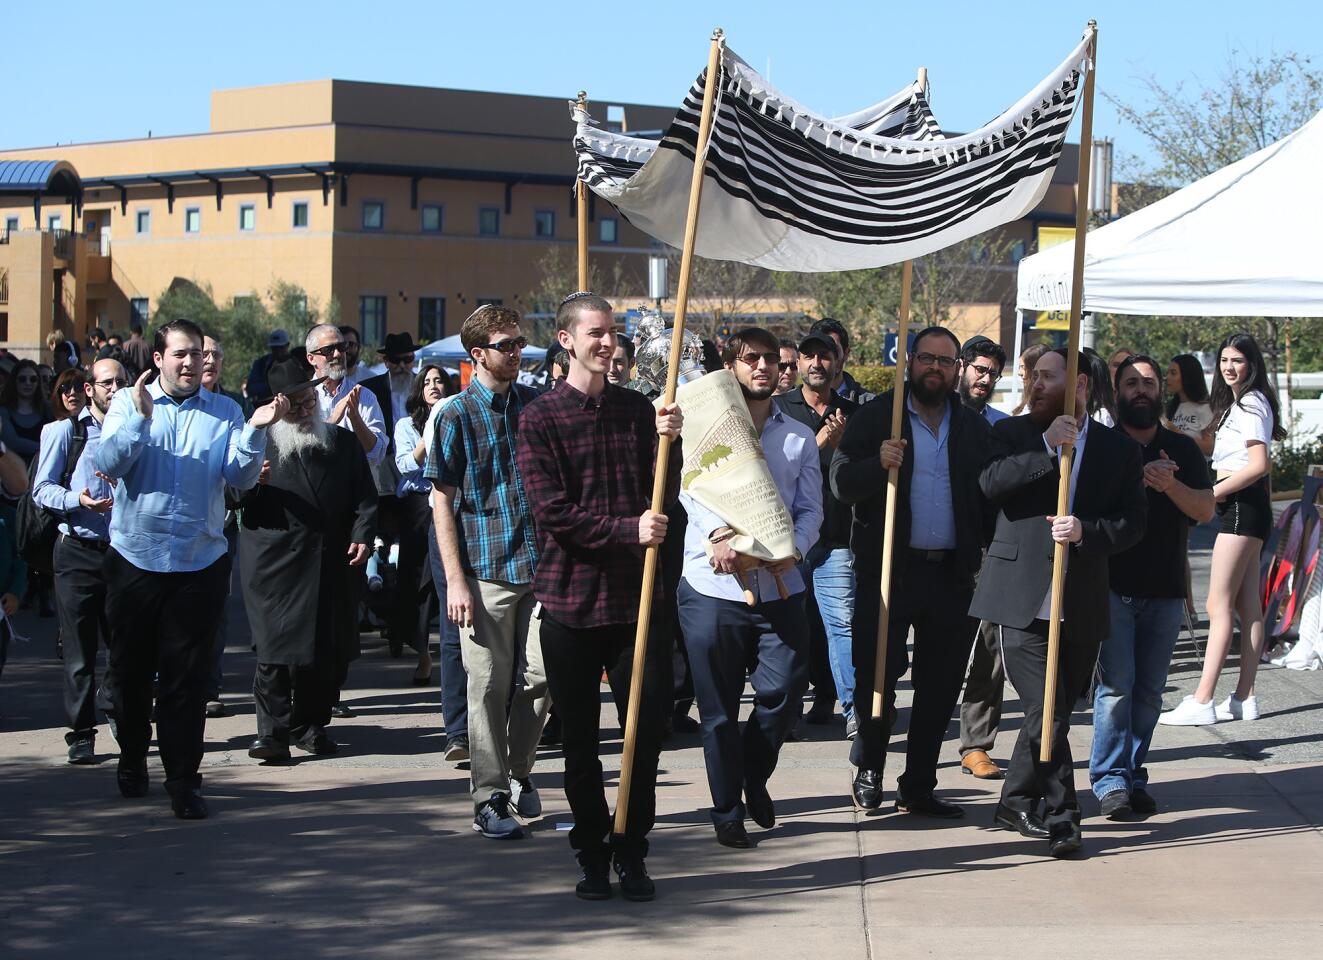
309,520
391,389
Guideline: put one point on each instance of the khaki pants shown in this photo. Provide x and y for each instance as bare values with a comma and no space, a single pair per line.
503,656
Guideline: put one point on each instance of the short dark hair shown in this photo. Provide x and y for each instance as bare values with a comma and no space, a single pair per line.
788,344
180,325
628,346
577,304
1135,358
829,326
98,333
983,348
558,357
346,329
135,326
748,336
937,331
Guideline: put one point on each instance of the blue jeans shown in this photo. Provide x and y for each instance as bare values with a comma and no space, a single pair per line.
828,572
454,679
1132,670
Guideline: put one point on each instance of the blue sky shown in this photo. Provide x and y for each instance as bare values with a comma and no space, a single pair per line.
151,66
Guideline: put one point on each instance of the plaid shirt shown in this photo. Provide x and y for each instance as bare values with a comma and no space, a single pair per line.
588,466
474,452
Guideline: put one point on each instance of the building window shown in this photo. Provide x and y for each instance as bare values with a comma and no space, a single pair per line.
489,221
374,215
300,218
431,318
11,225
432,218
53,222
247,217
544,223
608,230
192,220
372,319
142,221
138,310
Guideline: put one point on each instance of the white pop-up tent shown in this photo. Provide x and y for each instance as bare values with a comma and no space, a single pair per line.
1244,241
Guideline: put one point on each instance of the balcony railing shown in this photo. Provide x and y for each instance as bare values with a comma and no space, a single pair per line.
64,243
4,286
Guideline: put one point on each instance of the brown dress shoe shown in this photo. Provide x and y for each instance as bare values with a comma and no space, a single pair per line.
980,765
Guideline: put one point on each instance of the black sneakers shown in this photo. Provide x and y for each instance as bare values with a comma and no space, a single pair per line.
594,881
635,884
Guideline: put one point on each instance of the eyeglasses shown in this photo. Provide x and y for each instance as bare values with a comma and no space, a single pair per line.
932,359
992,375
786,367
507,346
753,359
119,383
331,349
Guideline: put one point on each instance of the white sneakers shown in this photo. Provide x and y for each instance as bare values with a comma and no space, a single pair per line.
1233,709
1191,713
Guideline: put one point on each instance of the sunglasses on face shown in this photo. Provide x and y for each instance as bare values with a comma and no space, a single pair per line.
69,388
787,367
932,359
507,346
407,358
753,359
331,349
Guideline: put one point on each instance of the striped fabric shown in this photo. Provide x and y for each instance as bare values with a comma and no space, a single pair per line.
788,190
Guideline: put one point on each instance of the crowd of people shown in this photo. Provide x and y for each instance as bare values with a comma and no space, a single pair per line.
520,515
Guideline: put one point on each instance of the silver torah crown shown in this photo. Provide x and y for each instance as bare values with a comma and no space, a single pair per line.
654,356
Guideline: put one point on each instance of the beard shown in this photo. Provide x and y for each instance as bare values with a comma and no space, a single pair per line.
930,388
335,370
758,393
968,398
1141,412
401,382
294,440
1043,410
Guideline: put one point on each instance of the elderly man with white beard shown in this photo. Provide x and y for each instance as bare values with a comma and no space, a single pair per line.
309,520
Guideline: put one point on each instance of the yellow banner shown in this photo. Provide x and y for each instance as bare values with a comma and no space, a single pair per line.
1049,237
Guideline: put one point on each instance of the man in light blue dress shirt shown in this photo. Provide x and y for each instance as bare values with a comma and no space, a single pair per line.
173,447
724,635
83,501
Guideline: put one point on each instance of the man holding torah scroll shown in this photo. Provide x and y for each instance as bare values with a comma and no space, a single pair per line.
937,548
741,597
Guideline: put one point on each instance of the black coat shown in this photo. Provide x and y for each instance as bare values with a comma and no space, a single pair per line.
858,477
1022,479
293,551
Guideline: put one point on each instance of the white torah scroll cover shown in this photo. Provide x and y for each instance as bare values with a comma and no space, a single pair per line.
725,470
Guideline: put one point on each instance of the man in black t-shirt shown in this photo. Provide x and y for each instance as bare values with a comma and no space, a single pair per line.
1147,596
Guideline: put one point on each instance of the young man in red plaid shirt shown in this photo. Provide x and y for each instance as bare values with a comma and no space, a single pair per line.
586,452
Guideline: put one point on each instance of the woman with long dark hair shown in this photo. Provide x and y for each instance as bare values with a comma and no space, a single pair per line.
24,410
68,398
1188,410
416,601
1102,398
1248,420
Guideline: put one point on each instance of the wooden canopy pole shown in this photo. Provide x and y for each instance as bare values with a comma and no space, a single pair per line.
581,200
1072,374
710,85
893,474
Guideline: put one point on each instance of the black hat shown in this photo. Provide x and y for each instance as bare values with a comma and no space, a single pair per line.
398,344
289,377
975,340
821,338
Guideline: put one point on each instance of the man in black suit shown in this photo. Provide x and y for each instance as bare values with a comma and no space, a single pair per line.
304,527
937,548
391,389
1107,514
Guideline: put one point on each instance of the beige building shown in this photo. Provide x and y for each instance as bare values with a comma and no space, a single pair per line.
406,206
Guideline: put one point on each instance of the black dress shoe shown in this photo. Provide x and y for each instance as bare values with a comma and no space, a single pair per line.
1022,822
1115,804
216,708
758,803
1064,839
341,712
1142,802
594,881
319,745
733,834
635,884
929,806
683,723
132,778
268,748
821,712
188,804
82,749
867,789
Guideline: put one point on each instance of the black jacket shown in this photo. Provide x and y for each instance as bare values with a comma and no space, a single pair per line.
1022,478
857,477
385,473
836,516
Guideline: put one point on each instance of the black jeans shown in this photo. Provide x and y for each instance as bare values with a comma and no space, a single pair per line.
294,703
574,659
163,624
80,601
415,598
723,635
934,599
1030,782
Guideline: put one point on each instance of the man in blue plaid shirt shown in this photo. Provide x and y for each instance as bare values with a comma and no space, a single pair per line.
485,534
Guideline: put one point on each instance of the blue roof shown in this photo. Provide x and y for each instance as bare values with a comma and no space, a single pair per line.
38,176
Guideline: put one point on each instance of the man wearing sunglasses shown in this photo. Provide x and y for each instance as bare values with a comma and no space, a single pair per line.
67,482
937,549
724,635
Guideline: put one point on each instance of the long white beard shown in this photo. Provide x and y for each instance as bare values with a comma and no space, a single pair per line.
401,382
292,440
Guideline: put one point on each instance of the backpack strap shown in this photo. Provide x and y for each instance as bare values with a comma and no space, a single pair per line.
76,444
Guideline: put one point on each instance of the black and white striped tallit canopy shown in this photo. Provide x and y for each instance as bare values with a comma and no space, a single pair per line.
789,190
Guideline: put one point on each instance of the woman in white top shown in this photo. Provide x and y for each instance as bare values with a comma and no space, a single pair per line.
1245,407
1188,409
416,602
